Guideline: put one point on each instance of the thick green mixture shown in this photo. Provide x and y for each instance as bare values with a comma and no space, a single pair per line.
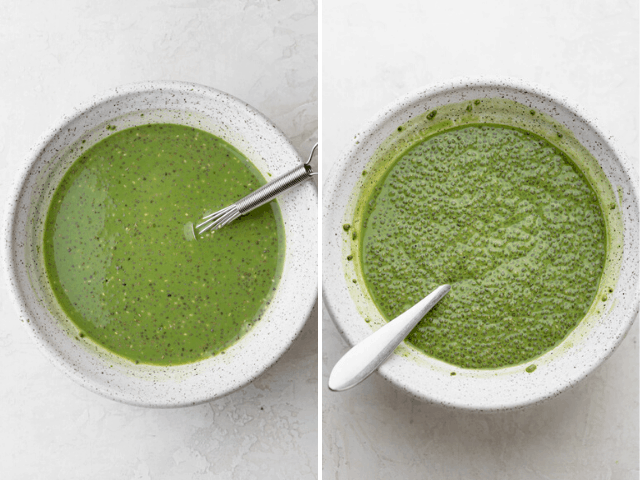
506,219
118,260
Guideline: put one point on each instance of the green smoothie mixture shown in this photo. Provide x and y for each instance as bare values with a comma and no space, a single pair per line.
121,266
503,216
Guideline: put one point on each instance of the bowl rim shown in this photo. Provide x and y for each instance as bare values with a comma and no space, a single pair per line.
305,302
396,107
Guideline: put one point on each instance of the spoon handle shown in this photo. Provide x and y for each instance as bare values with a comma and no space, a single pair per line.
364,358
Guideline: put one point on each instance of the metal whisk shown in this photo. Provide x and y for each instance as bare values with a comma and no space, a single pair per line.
258,197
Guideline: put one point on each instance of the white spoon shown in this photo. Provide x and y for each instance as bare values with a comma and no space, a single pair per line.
364,359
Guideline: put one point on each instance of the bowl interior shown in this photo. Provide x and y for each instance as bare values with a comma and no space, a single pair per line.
185,104
430,379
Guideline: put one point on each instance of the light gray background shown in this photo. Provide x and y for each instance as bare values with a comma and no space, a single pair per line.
55,55
374,52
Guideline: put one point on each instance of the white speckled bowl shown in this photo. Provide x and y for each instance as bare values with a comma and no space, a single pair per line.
430,379
101,371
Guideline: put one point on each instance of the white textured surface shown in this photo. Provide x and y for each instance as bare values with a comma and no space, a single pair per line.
56,55
587,51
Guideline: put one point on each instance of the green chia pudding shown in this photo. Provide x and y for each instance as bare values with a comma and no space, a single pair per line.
123,270
503,216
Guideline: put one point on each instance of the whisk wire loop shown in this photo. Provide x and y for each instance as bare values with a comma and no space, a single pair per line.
259,197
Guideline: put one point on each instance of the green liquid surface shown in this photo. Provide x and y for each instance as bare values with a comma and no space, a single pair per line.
119,261
504,217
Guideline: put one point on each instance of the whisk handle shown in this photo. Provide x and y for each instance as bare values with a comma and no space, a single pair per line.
274,188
